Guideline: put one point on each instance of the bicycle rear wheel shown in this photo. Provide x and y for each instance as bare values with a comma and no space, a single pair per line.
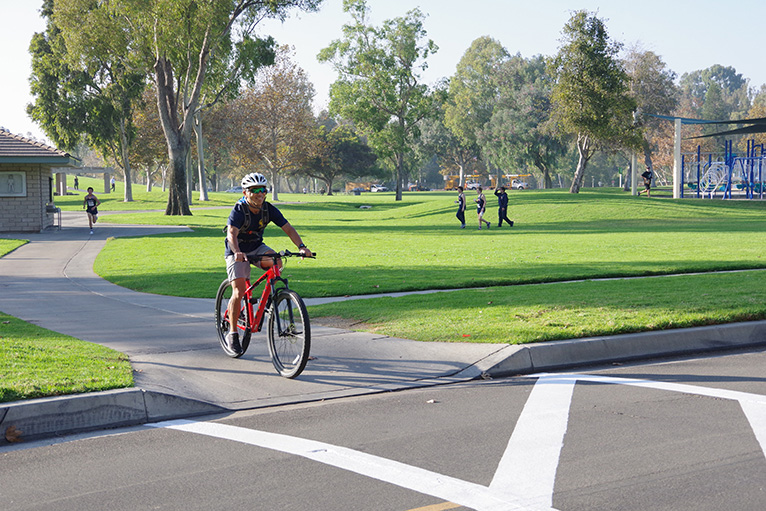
289,334
222,320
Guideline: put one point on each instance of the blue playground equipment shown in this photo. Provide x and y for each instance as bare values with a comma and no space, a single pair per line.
710,175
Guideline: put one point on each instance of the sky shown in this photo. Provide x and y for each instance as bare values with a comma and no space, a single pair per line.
689,35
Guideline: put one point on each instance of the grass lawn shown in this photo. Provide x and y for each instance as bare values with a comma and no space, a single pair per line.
8,246
416,244
35,362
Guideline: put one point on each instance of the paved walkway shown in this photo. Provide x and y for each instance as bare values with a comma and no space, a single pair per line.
181,370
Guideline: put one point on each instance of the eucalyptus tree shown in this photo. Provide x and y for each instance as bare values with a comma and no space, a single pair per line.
716,93
184,45
379,86
519,132
472,93
438,140
590,96
653,87
85,84
273,120
148,149
337,150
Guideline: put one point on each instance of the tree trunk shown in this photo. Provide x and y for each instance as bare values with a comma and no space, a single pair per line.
176,136
328,182
547,181
274,185
399,174
178,203
200,157
648,155
584,148
128,192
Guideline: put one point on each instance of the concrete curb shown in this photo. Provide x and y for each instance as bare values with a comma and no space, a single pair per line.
546,356
63,415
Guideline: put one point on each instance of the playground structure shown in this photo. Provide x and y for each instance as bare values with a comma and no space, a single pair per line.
714,175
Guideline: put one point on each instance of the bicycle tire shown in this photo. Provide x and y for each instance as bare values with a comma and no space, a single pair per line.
222,320
289,348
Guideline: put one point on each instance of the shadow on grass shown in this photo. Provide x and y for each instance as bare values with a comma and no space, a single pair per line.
312,281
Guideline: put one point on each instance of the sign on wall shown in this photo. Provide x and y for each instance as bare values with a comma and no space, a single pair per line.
13,184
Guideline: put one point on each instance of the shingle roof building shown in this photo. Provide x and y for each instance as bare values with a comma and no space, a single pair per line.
18,149
27,183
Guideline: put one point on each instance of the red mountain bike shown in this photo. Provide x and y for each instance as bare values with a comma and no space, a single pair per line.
289,331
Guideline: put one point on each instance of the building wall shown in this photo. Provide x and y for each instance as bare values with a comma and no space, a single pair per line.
27,214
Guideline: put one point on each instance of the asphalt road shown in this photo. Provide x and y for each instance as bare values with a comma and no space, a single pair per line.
682,435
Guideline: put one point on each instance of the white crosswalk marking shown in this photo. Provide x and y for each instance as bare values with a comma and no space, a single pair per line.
526,474
528,468
430,483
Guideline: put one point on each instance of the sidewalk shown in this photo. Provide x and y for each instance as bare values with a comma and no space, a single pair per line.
181,371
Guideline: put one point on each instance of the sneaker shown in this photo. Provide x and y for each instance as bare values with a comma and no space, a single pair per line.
488,224
232,341
511,223
462,226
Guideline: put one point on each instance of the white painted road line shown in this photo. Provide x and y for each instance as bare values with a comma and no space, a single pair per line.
405,476
526,474
527,470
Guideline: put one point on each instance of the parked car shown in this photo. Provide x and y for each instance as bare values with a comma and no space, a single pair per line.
519,185
235,189
378,188
472,185
418,188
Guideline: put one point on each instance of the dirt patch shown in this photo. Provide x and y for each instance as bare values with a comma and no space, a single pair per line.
344,323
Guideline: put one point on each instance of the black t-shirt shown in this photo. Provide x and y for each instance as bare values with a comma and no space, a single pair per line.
252,238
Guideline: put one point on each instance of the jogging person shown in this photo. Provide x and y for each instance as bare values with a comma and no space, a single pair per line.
647,175
481,205
90,203
502,207
461,207
244,238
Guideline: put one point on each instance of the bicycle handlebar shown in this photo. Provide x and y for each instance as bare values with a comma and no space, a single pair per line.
287,253
283,253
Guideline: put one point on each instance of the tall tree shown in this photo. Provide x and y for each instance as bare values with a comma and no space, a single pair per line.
758,110
182,44
274,119
437,140
654,89
148,149
716,93
378,85
336,150
519,132
473,92
590,95
85,84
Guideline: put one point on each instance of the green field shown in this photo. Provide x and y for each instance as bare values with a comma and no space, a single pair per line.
35,362
371,244
416,244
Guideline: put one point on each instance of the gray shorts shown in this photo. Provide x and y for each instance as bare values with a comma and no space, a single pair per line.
241,269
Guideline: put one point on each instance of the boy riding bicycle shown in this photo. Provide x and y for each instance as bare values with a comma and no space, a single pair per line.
244,239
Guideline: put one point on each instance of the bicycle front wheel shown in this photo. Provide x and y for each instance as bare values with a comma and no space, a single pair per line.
289,334
222,320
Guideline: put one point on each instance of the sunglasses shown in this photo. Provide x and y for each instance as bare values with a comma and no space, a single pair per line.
257,189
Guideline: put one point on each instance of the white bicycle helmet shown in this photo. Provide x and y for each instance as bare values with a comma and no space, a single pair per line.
254,179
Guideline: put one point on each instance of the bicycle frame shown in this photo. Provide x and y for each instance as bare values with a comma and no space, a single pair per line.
270,277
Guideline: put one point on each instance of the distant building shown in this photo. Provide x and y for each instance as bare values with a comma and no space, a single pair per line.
27,183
